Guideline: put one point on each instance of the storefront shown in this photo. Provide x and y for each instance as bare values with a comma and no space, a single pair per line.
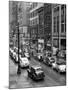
40,45
59,26
63,44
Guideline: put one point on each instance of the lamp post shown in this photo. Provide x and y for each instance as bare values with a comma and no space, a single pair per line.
19,69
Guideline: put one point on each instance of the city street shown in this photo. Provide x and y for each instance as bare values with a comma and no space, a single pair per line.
37,31
52,78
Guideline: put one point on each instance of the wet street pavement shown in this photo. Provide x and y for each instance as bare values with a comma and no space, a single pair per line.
52,78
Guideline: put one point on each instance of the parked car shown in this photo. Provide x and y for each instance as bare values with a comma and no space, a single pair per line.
14,55
61,54
24,62
59,66
48,60
36,72
10,51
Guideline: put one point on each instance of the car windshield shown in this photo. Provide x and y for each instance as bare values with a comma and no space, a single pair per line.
52,59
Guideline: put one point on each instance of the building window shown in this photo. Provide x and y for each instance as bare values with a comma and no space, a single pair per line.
63,18
56,19
57,23
54,24
56,9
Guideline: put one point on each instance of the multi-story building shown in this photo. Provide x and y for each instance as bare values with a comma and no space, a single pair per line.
23,21
41,23
12,21
34,20
59,26
18,14
45,23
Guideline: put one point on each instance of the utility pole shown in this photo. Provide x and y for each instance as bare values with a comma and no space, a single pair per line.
19,69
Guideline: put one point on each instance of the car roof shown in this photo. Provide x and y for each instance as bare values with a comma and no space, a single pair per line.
24,58
36,66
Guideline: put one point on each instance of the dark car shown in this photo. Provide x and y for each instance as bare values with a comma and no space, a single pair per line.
61,54
49,60
36,73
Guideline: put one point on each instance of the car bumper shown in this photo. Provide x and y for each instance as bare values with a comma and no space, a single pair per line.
62,71
24,65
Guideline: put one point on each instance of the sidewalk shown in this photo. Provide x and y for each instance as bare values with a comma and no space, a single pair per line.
18,81
12,67
12,74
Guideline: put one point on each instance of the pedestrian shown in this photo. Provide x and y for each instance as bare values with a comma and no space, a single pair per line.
41,59
57,53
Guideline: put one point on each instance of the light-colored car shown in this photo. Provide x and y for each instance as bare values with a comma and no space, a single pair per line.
24,62
62,68
14,55
54,65
16,58
10,52
59,66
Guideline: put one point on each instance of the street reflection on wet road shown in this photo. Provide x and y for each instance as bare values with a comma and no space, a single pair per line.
52,78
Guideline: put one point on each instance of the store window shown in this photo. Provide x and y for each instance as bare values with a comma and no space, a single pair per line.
56,9
54,24
63,44
57,23
55,43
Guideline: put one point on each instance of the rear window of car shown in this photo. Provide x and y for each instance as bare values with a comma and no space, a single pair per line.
38,69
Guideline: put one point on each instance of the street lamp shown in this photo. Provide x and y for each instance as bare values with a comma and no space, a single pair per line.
19,69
